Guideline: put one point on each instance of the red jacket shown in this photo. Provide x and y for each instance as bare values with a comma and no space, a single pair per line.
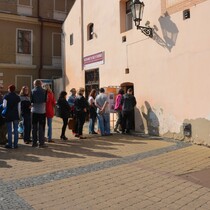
50,104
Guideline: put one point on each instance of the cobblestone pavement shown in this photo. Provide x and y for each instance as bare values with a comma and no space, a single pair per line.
115,172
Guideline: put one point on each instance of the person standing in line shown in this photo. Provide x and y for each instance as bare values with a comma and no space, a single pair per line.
81,106
64,113
11,102
103,112
38,101
93,114
25,108
50,104
71,101
128,103
118,109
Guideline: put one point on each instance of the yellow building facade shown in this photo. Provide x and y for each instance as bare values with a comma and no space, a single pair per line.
30,44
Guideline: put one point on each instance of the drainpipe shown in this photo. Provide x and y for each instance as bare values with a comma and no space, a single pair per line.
82,33
41,41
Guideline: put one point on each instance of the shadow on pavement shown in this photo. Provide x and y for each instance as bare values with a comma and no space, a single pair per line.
96,146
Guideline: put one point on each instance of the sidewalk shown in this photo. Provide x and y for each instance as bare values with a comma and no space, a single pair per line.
114,172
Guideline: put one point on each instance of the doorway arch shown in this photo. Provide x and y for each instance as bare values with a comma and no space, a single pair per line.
127,85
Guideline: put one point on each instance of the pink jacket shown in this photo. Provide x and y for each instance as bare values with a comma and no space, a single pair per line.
118,106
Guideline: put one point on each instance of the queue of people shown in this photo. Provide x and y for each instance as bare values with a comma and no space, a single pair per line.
36,107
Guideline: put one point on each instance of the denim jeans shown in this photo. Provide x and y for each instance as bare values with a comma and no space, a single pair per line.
92,124
27,126
9,129
38,122
104,123
49,131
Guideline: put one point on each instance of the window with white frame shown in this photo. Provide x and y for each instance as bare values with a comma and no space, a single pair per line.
24,41
60,12
24,7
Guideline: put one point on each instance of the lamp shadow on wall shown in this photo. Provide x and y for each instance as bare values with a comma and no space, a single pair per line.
169,32
151,118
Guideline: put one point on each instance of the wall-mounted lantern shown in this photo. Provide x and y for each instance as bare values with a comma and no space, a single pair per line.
137,9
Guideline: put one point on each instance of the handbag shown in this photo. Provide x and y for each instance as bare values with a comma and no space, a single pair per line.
71,123
4,111
57,111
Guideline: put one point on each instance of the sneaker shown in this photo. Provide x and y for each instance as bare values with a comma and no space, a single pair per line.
34,145
51,141
42,146
7,146
115,130
77,135
27,142
82,137
16,147
63,138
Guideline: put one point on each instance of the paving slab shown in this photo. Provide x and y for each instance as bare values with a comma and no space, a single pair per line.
115,172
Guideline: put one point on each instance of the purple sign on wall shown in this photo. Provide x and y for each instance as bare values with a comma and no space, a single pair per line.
93,60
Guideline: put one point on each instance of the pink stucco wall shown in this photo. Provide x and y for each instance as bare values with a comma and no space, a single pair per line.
172,76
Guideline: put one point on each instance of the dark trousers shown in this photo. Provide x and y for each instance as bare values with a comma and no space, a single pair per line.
65,123
38,122
27,126
126,121
80,120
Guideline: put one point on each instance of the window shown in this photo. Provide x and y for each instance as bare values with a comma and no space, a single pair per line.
71,39
24,42
126,22
90,31
56,53
129,22
56,44
24,7
60,5
59,12
25,2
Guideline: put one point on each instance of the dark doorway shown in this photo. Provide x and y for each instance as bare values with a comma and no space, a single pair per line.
91,81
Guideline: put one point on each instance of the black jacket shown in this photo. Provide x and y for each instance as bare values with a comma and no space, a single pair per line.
128,102
63,108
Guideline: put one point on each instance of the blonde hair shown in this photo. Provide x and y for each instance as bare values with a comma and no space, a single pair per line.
37,83
47,87
23,91
81,90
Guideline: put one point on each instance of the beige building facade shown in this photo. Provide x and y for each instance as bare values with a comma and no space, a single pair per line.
168,72
30,43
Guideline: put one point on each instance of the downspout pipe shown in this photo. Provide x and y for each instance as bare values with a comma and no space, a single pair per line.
41,42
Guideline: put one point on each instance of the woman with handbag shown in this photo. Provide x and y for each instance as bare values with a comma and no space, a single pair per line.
64,112
81,106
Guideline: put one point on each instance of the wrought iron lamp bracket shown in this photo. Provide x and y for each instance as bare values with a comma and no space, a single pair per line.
146,30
